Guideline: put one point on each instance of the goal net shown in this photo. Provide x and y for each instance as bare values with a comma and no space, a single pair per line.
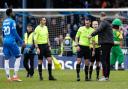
64,21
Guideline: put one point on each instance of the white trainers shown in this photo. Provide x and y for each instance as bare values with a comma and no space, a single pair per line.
103,79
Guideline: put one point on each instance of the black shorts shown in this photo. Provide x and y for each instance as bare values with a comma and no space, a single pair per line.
97,55
44,51
85,52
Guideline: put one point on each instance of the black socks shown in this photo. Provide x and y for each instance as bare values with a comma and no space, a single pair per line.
50,69
78,70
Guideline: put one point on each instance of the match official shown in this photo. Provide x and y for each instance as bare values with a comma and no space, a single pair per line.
43,47
83,47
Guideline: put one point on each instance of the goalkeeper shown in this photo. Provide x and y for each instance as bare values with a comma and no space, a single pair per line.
116,52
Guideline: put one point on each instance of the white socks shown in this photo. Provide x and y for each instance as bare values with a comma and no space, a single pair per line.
16,66
7,69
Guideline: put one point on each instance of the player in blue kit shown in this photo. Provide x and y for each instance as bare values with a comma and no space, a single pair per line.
10,47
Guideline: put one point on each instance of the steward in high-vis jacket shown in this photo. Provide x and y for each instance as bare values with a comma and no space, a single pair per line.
67,46
29,51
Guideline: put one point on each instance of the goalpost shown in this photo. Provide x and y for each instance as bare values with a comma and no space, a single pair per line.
59,21
68,10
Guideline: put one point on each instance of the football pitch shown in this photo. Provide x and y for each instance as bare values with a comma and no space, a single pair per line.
66,79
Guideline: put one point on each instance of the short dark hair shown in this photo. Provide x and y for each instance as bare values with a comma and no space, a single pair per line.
87,19
29,24
8,11
41,18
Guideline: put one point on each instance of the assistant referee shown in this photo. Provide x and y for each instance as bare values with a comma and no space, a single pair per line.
43,47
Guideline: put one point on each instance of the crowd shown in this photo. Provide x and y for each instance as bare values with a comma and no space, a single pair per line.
65,4
92,43
60,26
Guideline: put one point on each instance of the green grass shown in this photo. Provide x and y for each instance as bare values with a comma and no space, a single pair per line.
66,80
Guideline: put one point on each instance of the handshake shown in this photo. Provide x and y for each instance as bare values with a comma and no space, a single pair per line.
89,37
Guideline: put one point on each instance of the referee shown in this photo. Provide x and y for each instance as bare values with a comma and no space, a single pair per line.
95,53
83,47
43,47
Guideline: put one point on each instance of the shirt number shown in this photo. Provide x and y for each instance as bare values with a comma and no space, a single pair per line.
6,30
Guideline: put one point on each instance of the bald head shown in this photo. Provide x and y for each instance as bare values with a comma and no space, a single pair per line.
103,16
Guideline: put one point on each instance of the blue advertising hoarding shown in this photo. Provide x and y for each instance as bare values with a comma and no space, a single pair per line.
66,62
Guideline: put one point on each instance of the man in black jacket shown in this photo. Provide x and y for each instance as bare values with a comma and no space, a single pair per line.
105,38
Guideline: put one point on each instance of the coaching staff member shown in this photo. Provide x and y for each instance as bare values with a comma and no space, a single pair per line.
105,39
